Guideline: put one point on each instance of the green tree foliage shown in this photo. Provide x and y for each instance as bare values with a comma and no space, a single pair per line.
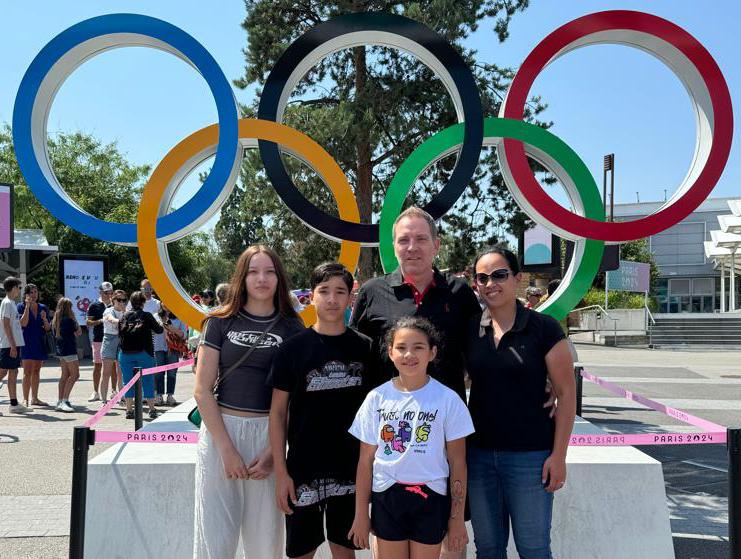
102,182
370,107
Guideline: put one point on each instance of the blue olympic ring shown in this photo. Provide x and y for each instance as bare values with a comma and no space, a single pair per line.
29,129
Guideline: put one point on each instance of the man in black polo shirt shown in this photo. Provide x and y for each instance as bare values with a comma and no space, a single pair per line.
417,288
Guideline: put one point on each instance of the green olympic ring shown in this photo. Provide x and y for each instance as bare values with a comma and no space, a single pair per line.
587,253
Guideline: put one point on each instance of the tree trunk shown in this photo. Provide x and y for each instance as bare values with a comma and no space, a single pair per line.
364,169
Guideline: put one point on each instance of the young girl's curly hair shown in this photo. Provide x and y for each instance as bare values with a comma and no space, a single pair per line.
413,323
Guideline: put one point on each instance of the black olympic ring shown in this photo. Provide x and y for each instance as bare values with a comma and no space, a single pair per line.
334,28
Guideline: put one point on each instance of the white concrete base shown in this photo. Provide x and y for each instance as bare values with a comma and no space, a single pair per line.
140,502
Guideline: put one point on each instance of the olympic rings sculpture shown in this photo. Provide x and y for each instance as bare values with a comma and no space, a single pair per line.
513,138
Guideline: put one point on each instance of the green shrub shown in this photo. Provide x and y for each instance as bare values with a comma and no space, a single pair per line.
618,299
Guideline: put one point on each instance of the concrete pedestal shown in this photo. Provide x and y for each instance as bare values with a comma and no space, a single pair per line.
140,501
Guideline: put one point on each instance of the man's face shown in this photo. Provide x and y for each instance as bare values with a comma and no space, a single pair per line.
105,296
414,247
331,298
146,289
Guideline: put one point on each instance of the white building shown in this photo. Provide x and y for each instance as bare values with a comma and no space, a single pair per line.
689,281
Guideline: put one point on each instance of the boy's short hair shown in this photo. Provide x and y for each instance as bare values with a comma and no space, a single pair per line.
11,282
330,270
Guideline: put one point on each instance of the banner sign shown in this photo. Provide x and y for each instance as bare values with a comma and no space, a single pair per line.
80,277
630,276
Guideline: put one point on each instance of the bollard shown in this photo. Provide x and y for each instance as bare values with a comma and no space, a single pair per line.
579,387
734,491
82,439
138,407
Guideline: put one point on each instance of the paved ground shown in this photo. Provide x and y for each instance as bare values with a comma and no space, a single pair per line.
36,464
36,450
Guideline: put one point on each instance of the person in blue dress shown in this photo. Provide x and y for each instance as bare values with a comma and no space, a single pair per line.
35,323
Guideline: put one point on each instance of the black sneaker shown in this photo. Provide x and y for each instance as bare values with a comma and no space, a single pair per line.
153,414
130,414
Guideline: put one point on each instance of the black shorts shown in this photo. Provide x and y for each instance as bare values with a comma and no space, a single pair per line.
8,362
410,512
305,527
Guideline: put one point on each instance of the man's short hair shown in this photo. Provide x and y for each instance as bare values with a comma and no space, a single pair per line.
329,270
414,211
11,282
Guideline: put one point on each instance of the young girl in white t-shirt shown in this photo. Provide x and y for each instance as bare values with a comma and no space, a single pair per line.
412,467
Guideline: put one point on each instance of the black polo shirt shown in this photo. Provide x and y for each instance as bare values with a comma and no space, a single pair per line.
448,304
508,383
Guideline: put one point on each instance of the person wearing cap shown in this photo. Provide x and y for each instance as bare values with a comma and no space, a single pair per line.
95,321
207,298
532,295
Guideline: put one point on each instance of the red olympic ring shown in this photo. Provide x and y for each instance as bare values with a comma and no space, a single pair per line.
722,124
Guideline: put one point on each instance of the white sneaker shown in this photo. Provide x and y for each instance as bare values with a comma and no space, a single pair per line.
103,403
18,408
65,406
158,400
58,406
94,397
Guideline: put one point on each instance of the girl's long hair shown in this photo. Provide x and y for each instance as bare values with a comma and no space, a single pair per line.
64,308
237,295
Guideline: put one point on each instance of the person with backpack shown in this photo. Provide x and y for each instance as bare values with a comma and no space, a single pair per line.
136,349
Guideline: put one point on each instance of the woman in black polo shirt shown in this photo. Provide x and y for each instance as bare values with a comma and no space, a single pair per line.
517,456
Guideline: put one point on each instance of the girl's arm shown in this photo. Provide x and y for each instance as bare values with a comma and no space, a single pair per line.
359,533
284,487
561,371
457,535
207,370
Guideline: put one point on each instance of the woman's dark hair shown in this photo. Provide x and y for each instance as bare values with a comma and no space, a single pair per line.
510,256
237,297
164,313
413,323
330,270
29,287
137,300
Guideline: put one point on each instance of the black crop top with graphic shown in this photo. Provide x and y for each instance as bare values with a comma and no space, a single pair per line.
244,389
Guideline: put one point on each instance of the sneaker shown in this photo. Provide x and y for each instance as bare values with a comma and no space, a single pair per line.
58,405
171,400
153,413
130,414
103,403
65,406
158,400
94,397
18,408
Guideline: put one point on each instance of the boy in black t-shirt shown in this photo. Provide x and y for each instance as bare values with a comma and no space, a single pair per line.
320,377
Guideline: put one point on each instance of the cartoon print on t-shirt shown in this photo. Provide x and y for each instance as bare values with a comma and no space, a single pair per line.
405,432
398,445
387,434
422,432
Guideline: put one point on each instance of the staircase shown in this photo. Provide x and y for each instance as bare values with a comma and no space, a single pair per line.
685,330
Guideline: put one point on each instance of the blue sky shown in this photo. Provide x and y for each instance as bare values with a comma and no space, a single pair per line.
601,99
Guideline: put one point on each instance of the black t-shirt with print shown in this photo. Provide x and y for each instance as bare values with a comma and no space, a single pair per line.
244,389
328,378
508,383
95,312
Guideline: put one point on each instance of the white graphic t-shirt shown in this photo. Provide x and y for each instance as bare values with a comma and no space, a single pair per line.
411,429
8,309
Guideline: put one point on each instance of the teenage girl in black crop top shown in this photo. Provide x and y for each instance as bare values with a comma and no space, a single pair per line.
235,490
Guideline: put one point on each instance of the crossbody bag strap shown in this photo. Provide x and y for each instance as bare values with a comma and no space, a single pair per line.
246,354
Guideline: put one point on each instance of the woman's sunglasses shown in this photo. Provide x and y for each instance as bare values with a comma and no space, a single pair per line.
497,276
120,300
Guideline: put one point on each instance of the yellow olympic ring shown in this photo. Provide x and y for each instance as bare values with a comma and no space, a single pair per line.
153,252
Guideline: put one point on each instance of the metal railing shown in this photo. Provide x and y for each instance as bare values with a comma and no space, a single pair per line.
649,327
607,314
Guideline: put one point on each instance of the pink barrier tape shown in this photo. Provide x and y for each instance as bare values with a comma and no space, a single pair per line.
145,437
152,370
648,439
672,412
112,402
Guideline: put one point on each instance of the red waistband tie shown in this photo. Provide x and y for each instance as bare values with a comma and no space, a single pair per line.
416,489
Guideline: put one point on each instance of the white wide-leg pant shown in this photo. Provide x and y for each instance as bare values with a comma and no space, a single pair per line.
228,508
